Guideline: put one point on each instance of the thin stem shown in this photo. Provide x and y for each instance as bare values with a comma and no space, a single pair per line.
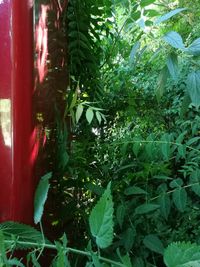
67,250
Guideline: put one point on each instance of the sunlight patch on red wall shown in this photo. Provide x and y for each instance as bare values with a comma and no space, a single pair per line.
42,43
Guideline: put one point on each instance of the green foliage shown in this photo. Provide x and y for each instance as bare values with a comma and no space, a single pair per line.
132,119
101,220
41,197
182,255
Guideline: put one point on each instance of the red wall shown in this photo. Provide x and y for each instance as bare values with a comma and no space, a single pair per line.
16,85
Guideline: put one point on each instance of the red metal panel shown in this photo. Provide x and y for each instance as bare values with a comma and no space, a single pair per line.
5,95
17,176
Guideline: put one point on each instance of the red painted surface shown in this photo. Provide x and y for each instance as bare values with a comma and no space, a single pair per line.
16,84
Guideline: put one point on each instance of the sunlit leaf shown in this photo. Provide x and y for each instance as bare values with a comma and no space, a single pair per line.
169,15
89,115
41,197
194,48
174,39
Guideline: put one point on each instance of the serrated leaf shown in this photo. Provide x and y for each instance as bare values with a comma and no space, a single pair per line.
169,15
180,198
153,243
181,254
89,115
194,48
193,87
21,232
134,190
174,39
41,197
79,112
101,220
146,208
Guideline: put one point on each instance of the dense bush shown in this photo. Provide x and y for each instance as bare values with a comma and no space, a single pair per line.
133,106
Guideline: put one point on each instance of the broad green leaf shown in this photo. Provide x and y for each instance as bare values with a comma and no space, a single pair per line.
134,190
89,115
101,220
98,116
41,197
134,51
181,254
194,48
144,3
174,39
162,80
176,183
153,243
120,214
172,64
165,205
180,198
193,87
146,208
169,15
79,112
